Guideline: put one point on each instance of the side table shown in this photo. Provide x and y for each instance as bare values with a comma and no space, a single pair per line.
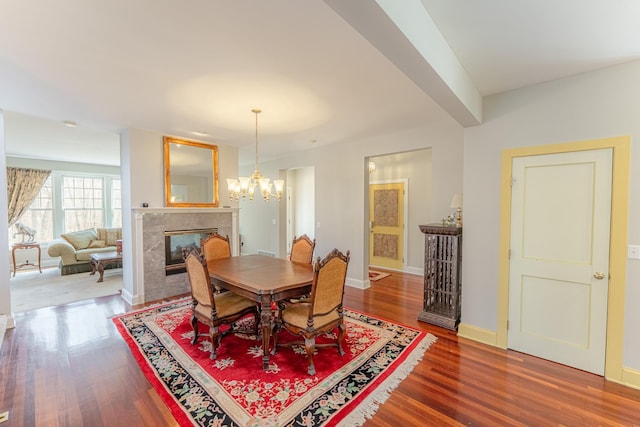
24,246
101,259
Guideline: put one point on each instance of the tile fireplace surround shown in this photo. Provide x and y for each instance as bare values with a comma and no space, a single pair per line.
150,281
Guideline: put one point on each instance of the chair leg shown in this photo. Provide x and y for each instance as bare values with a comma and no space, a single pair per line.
341,331
215,341
194,326
310,347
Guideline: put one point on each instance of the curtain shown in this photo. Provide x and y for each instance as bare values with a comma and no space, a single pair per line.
23,185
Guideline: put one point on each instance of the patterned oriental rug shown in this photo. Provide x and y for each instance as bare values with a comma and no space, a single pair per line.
234,390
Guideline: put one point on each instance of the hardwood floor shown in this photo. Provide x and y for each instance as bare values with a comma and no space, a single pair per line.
68,366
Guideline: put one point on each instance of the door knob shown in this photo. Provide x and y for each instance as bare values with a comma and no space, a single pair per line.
598,275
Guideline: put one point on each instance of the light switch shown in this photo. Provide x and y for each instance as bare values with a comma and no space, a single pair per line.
633,252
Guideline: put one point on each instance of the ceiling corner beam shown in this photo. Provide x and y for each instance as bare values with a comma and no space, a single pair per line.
404,32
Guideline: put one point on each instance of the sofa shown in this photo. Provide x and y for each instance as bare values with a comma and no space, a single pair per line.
75,248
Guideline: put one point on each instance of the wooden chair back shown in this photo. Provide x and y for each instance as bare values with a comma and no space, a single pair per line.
199,279
302,249
215,246
327,290
206,303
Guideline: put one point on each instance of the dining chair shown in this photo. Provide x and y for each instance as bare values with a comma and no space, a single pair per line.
214,309
319,314
302,252
302,249
215,246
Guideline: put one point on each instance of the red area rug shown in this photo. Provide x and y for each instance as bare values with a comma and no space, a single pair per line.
234,390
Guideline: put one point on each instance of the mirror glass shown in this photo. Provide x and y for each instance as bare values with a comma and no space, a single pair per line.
191,173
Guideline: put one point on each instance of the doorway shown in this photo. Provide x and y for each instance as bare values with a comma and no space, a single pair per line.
387,231
620,147
415,170
299,206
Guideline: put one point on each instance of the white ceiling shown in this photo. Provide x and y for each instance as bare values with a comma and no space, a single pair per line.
179,67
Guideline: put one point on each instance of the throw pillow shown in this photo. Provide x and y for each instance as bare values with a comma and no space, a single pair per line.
96,244
80,239
110,235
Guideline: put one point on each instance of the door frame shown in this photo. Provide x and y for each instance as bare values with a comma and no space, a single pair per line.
405,218
621,147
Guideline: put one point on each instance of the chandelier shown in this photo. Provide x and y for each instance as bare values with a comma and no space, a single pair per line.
245,186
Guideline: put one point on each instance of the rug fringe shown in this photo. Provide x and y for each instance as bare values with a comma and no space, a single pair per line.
371,404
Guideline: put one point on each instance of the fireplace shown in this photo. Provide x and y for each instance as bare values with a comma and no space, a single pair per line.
175,241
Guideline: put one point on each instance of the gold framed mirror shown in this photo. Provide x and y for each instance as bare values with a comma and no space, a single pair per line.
190,173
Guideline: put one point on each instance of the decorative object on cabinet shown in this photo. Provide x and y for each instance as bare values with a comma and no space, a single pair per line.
442,270
456,203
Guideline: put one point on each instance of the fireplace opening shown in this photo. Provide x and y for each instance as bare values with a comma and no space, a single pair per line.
175,241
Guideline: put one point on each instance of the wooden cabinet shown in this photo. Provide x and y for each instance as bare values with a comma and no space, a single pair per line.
442,270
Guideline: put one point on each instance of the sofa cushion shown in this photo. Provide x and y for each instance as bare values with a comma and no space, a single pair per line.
96,244
109,235
80,239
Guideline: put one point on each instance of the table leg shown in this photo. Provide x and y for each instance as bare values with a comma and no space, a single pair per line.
13,255
265,319
100,268
39,259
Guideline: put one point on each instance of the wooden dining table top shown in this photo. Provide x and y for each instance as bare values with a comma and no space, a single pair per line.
260,274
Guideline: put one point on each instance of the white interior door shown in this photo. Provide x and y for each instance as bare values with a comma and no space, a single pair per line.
559,257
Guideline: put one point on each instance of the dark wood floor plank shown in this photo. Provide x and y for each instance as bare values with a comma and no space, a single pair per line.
68,366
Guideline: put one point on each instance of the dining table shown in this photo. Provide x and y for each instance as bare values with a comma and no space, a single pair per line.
265,280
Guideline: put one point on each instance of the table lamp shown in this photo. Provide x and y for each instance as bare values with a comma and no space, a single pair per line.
456,203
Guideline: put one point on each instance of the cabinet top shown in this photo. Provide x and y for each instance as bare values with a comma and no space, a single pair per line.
440,229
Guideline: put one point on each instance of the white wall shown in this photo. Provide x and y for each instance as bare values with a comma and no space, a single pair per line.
5,295
305,196
593,105
341,179
259,220
21,162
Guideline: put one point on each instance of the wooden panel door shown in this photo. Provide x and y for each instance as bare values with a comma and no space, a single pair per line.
386,219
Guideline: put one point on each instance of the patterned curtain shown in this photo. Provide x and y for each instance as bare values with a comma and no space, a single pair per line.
23,185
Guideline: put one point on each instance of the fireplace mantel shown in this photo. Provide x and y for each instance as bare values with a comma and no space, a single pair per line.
143,211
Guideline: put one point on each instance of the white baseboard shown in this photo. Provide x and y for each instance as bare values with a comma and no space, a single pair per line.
359,284
130,298
419,271
3,327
